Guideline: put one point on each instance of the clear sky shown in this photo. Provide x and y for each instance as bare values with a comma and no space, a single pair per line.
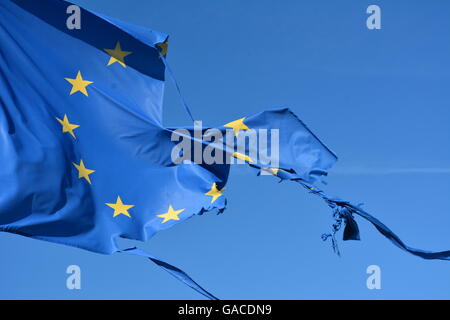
379,98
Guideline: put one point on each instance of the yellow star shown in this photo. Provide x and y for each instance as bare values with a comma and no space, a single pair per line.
214,192
78,84
117,55
120,208
67,126
237,125
83,172
170,214
242,156
273,171
163,46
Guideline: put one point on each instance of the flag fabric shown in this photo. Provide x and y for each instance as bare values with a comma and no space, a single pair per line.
85,157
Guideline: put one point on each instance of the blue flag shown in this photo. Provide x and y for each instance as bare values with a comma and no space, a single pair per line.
85,157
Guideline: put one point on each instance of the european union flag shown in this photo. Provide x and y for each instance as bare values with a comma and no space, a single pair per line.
84,155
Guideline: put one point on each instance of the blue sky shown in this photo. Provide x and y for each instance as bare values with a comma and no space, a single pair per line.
378,98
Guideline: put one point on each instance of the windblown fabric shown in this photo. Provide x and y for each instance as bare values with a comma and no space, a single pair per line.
84,155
